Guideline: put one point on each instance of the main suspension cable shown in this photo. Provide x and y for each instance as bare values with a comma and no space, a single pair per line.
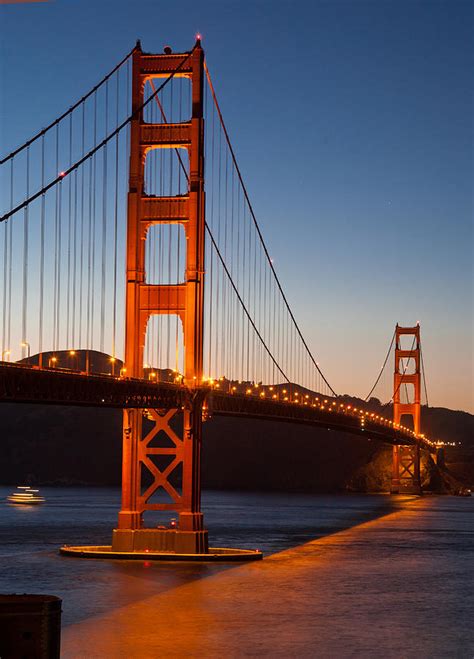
424,377
214,243
94,150
383,366
243,304
211,86
68,112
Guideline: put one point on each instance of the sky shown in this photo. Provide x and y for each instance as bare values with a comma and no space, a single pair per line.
352,125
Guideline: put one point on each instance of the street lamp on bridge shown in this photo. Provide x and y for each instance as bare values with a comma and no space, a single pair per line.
25,344
6,353
73,353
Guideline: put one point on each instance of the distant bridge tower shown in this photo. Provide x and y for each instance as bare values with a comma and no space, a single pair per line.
154,461
406,459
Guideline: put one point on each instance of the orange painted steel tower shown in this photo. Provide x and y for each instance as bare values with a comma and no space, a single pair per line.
153,461
406,459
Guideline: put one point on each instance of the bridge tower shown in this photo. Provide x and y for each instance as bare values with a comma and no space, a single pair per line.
172,446
406,459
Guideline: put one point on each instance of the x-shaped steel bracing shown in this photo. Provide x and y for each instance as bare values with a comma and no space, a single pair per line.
161,478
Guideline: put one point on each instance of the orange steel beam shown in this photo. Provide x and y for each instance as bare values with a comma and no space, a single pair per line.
406,459
142,475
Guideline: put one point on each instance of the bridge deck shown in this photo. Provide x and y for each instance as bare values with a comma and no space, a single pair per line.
23,384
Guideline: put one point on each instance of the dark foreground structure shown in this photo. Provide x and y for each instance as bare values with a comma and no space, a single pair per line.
30,626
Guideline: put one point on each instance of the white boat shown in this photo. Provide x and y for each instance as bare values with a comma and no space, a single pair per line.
25,495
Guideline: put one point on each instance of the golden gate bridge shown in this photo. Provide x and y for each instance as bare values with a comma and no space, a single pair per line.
155,184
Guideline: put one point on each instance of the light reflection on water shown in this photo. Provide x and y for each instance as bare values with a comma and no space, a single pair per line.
436,531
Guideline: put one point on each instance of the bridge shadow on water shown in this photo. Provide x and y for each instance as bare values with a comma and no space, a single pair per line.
274,522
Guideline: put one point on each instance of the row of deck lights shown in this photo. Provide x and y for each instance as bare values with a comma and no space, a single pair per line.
325,404
24,344
301,399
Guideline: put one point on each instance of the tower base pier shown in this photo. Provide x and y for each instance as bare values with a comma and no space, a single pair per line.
406,470
406,488
215,554
160,540
440,457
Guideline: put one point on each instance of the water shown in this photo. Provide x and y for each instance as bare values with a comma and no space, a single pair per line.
30,537
418,562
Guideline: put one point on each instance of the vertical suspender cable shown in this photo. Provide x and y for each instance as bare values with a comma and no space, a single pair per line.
170,238
178,278
10,266
94,204
89,260
69,231
81,239
104,223
6,230
56,221
249,303
25,255
240,347
225,348
211,273
4,298
255,343
114,294
232,346
219,214
58,313
424,377
74,266
42,237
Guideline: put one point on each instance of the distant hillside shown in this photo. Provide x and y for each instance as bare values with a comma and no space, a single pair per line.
69,445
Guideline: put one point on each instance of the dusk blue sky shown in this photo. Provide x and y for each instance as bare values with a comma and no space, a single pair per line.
352,124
